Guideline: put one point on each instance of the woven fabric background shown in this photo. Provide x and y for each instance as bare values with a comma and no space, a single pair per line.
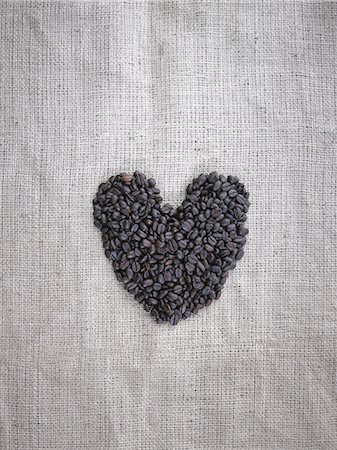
172,88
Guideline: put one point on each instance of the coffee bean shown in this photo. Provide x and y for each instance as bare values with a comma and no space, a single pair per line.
161,228
192,259
189,267
174,318
177,289
231,246
168,275
129,273
156,286
124,264
193,234
241,199
172,296
167,308
169,235
213,177
217,185
209,248
186,226
146,243
172,245
173,261
212,241
201,180
232,193
239,255
135,266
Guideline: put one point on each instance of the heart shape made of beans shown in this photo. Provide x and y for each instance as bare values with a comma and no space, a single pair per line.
174,261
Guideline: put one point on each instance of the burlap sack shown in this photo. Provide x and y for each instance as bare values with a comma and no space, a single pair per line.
172,88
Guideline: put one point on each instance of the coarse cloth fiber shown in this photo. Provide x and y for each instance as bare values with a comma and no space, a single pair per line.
173,89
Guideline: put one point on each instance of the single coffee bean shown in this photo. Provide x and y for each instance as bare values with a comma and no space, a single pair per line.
217,185
148,282
174,318
146,243
209,248
186,226
239,255
177,289
167,275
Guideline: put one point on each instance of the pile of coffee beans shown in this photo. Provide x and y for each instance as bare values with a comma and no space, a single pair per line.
174,261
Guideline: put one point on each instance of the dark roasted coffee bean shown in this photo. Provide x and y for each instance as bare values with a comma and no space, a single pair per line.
167,275
175,318
231,246
200,180
217,185
192,259
216,227
183,243
201,266
187,314
156,286
172,296
213,177
209,248
161,228
186,226
206,291
222,195
172,245
211,294
146,243
198,285
167,308
192,234
124,264
153,301
177,289
126,178
232,193
126,247
141,234
177,236
239,255
135,266
212,240
129,273
189,267
242,231
240,199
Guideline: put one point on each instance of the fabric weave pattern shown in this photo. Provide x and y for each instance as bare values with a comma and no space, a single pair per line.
171,88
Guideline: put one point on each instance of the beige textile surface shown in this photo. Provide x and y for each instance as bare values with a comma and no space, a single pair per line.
173,89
